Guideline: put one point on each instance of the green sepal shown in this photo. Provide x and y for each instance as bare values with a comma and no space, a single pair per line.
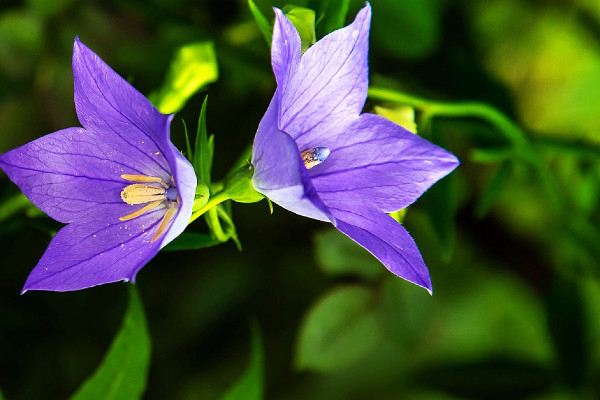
304,21
239,186
266,28
193,67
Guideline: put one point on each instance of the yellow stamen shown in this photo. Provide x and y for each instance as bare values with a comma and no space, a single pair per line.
141,211
140,193
163,225
145,179
141,178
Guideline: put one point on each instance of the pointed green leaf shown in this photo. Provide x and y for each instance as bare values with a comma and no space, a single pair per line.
304,21
332,15
188,146
263,23
124,371
340,329
193,67
202,160
250,386
192,241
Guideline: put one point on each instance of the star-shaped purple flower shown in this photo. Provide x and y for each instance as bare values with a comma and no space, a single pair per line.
119,183
316,155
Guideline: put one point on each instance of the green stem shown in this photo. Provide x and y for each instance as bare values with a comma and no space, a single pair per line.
465,109
215,199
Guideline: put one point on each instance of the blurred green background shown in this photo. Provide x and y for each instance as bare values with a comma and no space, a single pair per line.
511,238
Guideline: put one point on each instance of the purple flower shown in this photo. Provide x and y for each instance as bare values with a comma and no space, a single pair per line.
318,156
121,186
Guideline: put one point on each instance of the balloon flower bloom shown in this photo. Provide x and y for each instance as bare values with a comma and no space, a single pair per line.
119,183
316,155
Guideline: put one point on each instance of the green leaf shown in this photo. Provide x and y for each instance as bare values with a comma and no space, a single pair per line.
188,146
332,15
338,255
1,395
124,371
493,189
304,21
263,24
202,154
250,386
193,67
340,329
192,241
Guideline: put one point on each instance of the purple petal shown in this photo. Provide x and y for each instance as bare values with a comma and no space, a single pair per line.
383,237
185,182
329,88
96,252
71,175
114,111
279,172
285,49
381,162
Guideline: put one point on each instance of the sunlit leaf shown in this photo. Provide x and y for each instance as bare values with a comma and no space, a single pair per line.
193,67
402,115
340,329
250,386
304,21
263,23
124,371
331,15
192,241
338,255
